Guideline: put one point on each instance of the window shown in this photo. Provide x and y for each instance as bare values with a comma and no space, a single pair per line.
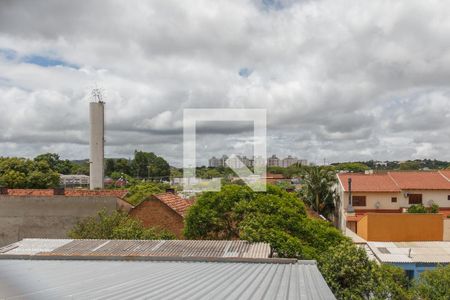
394,199
415,198
359,200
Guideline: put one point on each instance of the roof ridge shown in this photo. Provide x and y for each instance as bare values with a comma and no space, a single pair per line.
393,180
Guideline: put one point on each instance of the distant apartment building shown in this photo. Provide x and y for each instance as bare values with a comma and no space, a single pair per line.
273,161
239,161
391,192
213,162
289,161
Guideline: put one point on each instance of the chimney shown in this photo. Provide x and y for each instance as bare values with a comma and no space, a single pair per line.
97,141
3,191
170,190
350,208
58,191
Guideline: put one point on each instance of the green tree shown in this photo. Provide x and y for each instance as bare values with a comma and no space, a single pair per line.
317,188
275,217
55,163
433,284
139,192
354,167
116,225
351,275
25,173
420,209
149,165
409,165
110,166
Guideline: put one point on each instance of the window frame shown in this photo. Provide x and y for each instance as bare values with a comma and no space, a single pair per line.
359,198
415,201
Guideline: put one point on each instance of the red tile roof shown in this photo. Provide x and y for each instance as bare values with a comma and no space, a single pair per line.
396,181
420,180
176,203
368,183
445,173
67,192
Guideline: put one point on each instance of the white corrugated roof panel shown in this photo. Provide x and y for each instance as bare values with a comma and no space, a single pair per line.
411,252
57,279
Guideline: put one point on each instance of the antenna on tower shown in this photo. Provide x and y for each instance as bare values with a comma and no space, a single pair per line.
97,95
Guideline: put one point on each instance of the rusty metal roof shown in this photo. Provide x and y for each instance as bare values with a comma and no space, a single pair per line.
136,248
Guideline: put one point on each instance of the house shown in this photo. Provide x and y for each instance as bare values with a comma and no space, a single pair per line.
391,192
413,257
51,213
136,270
166,211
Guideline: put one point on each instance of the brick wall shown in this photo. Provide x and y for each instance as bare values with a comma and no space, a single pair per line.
46,216
154,213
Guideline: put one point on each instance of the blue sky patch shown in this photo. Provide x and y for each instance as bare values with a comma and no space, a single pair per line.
245,72
8,54
272,4
45,61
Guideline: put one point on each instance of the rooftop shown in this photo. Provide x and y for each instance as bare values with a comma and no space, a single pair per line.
395,181
175,202
134,249
411,252
55,279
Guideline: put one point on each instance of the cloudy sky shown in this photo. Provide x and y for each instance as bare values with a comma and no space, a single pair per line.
340,79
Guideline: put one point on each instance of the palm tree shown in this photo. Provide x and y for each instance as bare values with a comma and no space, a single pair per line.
317,188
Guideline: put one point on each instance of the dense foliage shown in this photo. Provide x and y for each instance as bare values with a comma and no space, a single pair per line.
354,167
140,191
351,275
420,209
116,225
433,284
317,189
26,173
276,217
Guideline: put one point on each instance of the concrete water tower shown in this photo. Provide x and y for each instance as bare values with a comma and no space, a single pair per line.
97,140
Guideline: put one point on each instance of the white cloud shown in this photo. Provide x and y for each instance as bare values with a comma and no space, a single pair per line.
342,79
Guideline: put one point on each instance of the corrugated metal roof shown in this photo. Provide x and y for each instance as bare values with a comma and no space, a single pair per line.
411,252
55,279
137,248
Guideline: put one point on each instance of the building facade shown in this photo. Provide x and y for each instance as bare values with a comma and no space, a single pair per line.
391,192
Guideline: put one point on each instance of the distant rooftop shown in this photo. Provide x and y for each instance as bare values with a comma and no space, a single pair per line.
175,202
411,252
396,181
144,249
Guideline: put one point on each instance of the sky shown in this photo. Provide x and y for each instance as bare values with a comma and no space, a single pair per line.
342,80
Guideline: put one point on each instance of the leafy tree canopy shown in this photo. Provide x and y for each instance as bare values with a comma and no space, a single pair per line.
140,191
433,284
116,225
275,216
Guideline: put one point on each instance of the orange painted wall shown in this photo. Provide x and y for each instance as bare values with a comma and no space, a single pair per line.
401,227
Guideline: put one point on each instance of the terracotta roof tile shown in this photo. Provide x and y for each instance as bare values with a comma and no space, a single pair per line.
396,181
368,183
420,180
67,192
176,203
